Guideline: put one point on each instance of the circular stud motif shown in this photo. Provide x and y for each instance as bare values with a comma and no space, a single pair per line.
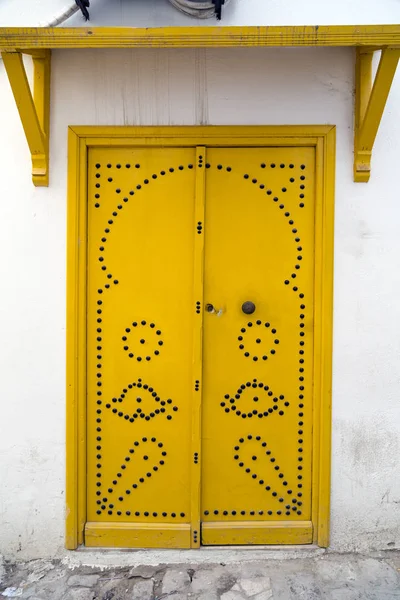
255,340
148,341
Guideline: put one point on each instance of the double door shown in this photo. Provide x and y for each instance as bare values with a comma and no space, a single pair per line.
200,346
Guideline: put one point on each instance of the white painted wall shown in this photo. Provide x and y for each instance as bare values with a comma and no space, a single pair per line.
160,13
171,87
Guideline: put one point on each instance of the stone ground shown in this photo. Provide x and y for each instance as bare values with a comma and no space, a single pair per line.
328,576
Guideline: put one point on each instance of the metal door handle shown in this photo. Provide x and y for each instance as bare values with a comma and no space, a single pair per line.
248,307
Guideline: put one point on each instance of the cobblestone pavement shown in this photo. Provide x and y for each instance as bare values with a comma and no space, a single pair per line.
329,577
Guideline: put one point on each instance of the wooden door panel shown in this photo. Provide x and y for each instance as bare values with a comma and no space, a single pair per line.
139,339
258,368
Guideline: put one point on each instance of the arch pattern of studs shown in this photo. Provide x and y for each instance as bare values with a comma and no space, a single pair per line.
260,414
146,347
231,403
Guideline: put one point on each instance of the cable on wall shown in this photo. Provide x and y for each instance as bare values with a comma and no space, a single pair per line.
60,18
201,9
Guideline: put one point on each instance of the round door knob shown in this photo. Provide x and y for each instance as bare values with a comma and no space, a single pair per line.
248,307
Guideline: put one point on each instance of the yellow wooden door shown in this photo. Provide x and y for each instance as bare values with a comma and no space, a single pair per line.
197,409
257,366
139,340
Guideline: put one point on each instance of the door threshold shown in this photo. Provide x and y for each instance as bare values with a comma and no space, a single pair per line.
110,557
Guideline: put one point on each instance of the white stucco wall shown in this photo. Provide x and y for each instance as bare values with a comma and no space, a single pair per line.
160,13
179,87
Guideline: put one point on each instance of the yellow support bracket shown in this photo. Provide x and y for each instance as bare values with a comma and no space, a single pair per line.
34,110
370,102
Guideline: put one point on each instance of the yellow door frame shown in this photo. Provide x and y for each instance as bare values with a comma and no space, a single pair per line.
80,139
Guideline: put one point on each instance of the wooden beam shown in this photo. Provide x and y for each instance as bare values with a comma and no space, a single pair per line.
41,98
34,52
363,84
34,110
19,38
370,104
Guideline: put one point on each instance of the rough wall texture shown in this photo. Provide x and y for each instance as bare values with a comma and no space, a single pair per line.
177,87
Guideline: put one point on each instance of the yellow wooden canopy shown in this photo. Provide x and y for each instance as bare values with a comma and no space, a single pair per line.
35,109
